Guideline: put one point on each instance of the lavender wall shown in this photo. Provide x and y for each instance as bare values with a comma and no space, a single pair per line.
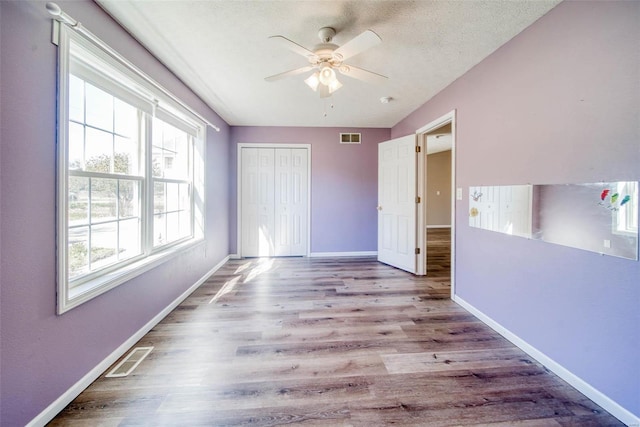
344,189
44,354
560,103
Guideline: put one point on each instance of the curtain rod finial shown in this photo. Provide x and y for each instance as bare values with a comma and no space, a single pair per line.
57,13
53,9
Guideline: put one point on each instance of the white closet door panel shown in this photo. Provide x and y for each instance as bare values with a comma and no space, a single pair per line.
257,202
299,201
282,198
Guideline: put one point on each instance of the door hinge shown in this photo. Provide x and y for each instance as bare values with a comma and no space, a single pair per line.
417,149
417,251
418,199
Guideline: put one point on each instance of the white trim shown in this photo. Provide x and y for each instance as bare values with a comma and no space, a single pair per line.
450,117
578,383
67,397
342,254
107,281
438,226
234,256
242,145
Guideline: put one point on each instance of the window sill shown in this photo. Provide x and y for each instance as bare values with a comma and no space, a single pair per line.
93,288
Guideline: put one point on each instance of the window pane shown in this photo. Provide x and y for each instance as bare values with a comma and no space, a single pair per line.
173,226
103,245
103,199
159,230
180,169
76,99
171,151
128,199
185,196
99,149
158,197
78,254
129,238
76,146
172,197
126,119
99,108
78,200
185,224
126,156
157,162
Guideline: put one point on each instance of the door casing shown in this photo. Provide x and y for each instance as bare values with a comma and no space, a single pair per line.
421,217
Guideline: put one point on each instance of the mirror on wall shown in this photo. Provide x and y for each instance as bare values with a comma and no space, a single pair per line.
598,217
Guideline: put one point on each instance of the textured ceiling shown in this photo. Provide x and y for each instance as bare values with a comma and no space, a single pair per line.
221,49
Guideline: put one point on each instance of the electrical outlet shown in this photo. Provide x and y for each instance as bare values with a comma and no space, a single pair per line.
607,243
459,193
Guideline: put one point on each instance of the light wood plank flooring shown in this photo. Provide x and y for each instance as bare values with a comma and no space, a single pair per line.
439,253
329,342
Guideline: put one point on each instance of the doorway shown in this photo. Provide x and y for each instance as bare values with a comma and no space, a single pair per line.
436,188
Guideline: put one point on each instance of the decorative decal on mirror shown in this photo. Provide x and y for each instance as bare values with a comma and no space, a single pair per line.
598,217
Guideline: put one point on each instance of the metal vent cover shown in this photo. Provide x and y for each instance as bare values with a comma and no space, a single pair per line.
129,363
350,138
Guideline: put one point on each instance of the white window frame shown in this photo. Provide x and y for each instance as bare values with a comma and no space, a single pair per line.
124,79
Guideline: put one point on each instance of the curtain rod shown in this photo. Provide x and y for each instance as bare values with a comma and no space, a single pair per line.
59,15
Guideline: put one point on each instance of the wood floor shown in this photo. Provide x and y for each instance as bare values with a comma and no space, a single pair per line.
329,342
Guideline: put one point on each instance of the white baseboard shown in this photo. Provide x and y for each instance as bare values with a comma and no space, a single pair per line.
234,256
342,254
439,226
578,383
61,402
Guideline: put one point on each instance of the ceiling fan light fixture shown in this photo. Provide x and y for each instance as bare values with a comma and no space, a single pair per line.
327,75
334,85
313,81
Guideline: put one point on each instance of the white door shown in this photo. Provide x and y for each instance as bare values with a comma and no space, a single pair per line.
397,203
290,202
257,202
273,201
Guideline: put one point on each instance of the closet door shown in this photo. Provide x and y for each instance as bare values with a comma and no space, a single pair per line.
274,186
291,175
257,205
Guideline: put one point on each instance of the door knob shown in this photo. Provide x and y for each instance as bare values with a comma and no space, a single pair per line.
379,208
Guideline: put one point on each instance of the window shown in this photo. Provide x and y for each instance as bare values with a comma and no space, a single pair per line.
130,162
625,216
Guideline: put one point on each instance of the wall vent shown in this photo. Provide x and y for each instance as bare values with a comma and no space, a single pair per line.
350,138
129,363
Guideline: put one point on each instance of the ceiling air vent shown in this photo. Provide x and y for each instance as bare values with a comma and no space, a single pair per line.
129,363
350,138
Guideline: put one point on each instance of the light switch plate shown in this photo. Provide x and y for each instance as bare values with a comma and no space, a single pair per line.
459,193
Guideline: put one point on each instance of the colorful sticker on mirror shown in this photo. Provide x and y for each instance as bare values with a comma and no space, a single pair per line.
611,203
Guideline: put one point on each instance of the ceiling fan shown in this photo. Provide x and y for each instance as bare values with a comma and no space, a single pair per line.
327,57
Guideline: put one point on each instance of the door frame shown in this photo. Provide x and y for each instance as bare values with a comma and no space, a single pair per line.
242,145
421,134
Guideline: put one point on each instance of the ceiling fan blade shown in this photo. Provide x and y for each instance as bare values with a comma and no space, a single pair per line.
289,73
356,45
362,74
293,46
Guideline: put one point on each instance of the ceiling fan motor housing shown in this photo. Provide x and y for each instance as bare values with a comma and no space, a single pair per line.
326,34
